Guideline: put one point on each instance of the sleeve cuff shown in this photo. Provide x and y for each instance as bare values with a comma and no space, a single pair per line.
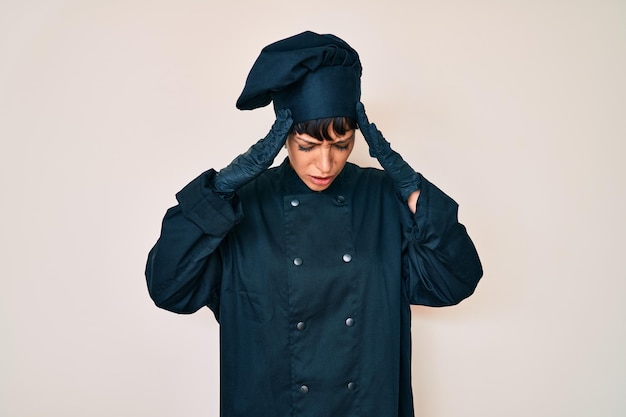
436,213
202,205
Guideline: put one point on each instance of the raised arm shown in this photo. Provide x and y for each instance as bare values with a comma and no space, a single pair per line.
183,271
441,265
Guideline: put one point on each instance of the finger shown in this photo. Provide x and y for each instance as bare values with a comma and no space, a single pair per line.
282,124
283,114
361,116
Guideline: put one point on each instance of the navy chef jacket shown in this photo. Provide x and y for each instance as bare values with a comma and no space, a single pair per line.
312,289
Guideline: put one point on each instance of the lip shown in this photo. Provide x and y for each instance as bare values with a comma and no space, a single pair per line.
321,181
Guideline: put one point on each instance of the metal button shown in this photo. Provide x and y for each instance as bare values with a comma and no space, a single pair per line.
297,261
351,385
301,325
347,258
340,199
349,322
295,202
304,389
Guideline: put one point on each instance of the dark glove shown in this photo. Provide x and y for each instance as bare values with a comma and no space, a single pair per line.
405,179
255,160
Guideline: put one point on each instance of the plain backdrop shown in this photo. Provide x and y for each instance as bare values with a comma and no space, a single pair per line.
516,108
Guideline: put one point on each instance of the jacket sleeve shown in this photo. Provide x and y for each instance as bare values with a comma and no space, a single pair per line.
441,265
184,267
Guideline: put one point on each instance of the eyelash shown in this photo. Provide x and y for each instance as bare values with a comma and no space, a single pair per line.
309,149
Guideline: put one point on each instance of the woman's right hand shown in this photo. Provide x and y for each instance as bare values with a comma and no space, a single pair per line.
255,160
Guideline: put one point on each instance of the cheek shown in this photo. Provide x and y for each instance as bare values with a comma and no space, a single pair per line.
291,152
343,155
297,159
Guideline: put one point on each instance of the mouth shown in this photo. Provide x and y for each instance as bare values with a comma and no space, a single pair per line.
321,181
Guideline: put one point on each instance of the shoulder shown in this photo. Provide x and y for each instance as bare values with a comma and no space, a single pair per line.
367,176
267,183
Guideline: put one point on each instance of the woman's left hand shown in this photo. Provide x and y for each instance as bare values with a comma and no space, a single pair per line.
405,179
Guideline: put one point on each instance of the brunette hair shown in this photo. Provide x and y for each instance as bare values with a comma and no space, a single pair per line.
319,128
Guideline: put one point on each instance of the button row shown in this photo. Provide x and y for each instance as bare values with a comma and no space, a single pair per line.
302,325
304,389
347,258
295,202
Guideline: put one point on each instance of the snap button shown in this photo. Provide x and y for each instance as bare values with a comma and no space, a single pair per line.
301,326
297,261
351,385
304,389
341,199
349,322
347,258
295,202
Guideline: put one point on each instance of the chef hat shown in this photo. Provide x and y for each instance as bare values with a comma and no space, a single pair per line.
315,76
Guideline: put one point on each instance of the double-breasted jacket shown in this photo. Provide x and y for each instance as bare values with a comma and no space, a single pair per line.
312,289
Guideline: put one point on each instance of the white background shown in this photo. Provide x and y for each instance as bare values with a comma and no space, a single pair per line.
515,108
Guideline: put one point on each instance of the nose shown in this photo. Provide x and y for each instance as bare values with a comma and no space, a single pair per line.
325,159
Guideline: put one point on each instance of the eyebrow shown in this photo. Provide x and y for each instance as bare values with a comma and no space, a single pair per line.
349,138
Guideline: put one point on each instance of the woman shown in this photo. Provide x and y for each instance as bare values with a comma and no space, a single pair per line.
310,267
